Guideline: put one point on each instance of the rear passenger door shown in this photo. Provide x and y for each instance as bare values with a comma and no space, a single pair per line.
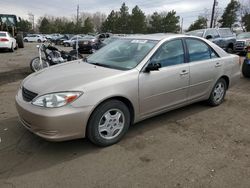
205,67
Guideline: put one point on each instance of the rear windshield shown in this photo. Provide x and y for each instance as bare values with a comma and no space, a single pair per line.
2,34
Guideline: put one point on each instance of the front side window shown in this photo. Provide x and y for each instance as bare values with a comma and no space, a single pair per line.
199,51
170,53
213,33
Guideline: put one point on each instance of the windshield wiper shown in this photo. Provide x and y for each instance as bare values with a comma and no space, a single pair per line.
100,64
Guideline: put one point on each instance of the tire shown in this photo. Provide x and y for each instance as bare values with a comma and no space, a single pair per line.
39,41
246,69
218,93
12,48
230,49
108,123
74,55
35,64
19,40
25,40
66,44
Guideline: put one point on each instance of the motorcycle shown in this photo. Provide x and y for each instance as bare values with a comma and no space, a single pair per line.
50,55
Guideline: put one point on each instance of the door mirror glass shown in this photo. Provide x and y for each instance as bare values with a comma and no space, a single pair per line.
153,67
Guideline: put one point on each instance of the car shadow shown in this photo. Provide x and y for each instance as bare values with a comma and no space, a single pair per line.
21,152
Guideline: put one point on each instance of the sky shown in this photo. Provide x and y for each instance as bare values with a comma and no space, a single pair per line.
189,10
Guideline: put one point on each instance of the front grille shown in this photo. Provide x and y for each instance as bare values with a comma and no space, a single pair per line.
240,44
28,95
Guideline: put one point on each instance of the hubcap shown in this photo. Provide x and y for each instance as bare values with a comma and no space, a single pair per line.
219,91
111,124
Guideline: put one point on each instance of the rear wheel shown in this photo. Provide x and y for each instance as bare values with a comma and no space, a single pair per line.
19,40
108,123
36,65
12,48
39,40
218,93
66,44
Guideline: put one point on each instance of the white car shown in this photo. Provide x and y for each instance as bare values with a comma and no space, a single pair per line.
7,41
34,38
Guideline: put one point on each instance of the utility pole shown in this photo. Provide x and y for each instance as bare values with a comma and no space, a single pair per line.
212,17
181,25
77,14
32,20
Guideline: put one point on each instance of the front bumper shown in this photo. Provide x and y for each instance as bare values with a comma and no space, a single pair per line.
57,124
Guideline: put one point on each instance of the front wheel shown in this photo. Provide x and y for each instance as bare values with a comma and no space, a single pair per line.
108,123
36,65
246,68
218,93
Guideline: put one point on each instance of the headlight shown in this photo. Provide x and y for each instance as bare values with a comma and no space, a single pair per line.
54,100
247,43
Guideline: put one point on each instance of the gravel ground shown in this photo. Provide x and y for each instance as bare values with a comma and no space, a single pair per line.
195,146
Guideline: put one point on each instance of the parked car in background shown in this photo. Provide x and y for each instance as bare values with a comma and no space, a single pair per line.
108,41
34,38
125,82
7,41
60,40
87,44
223,37
70,42
243,40
103,36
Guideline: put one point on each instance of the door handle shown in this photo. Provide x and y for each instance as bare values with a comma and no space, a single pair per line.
218,65
184,72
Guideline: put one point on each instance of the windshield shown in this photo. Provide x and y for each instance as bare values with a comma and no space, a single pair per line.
123,54
198,33
243,36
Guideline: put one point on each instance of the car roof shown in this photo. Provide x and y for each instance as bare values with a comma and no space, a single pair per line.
156,36
3,32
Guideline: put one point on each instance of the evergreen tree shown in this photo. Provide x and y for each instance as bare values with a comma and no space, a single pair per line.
246,21
122,23
45,26
229,16
155,23
110,23
24,25
138,21
88,26
200,23
170,22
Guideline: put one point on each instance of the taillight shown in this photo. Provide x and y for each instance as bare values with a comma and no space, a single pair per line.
3,40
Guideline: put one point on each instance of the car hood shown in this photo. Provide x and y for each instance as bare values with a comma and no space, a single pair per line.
71,76
243,40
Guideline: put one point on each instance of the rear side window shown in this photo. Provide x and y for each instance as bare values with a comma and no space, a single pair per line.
2,34
199,51
170,53
225,32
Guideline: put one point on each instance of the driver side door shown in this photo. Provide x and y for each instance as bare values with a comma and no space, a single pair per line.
167,87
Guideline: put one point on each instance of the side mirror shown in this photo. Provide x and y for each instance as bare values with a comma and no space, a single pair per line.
153,67
209,37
